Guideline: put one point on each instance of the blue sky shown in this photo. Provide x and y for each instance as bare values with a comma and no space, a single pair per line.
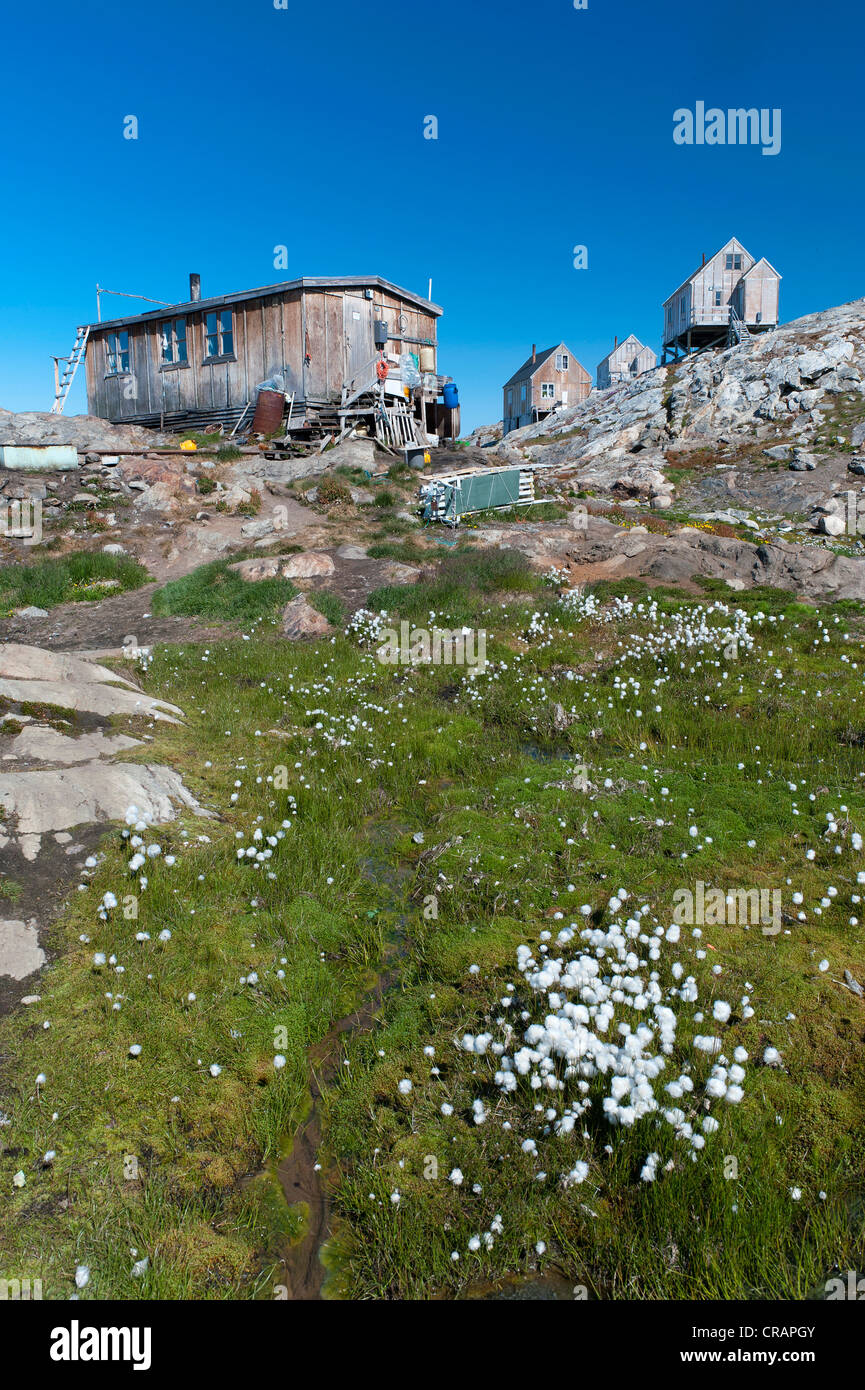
260,127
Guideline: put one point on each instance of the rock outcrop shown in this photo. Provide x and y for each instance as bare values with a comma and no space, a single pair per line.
302,622
54,783
598,549
788,382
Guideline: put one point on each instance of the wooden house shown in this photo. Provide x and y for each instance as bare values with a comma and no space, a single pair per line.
627,360
545,382
197,364
730,296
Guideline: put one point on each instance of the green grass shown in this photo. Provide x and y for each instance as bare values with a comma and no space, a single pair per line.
465,579
541,511
408,551
85,575
331,605
358,756
216,591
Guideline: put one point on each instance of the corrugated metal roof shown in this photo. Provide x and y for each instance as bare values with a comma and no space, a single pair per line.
306,282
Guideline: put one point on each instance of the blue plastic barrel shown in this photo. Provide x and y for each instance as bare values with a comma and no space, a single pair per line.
451,395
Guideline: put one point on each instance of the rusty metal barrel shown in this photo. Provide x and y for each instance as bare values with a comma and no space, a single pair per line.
269,410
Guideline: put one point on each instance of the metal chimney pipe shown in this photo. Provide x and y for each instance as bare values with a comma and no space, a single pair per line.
194,288
615,342
534,351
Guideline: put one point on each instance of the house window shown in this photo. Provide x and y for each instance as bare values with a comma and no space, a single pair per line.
716,298
522,393
117,353
733,261
548,391
173,333
510,400
220,334
561,361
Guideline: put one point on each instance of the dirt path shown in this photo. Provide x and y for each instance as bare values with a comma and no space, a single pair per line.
301,1173
103,624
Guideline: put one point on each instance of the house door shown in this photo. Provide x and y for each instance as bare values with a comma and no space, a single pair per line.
359,342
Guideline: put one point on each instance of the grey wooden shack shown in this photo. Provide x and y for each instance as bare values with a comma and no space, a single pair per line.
627,360
729,297
197,364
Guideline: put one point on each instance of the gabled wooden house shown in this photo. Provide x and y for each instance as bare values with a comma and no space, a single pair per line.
197,364
627,360
546,381
730,296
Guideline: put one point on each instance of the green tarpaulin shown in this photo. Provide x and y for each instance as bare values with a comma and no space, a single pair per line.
475,493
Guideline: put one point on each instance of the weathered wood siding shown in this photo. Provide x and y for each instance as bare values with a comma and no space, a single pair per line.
759,293
752,290
311,335
571,387
627,360
266,340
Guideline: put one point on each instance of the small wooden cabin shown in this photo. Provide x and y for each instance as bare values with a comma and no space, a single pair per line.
545,382
627,360
197,364
730,296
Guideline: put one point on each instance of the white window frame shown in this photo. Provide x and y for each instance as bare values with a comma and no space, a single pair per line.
117,357
220,332
170,342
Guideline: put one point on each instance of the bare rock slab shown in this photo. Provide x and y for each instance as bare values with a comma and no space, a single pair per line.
37,801
41,744
20,952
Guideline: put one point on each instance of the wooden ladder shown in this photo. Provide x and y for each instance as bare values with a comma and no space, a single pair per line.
63,382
